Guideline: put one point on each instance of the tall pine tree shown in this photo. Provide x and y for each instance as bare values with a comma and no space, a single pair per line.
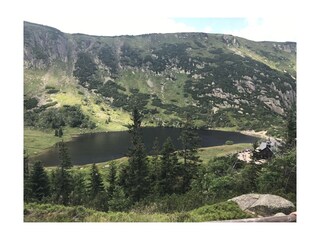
27,191
112,178
154,173
119,201
61,177
78,195
65,160
62,186
138,184
169,166
39,182
98,194
190,142
96,183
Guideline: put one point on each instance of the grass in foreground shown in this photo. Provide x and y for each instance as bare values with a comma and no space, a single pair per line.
34,212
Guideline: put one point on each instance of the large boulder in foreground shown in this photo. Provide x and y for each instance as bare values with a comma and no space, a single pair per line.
264,204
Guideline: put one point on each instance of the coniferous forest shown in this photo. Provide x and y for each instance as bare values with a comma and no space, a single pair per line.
171,181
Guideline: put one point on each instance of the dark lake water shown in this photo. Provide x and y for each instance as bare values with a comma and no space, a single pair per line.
101,147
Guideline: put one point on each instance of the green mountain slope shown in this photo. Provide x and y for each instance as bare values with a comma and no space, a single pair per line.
221,80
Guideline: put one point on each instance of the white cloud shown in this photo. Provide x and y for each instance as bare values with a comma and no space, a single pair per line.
208,29
111,26
269,29
258,29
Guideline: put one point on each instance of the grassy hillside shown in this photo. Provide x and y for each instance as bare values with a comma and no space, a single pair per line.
209,153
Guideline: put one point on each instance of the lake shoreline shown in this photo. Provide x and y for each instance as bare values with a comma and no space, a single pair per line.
261,134
43,141
98,146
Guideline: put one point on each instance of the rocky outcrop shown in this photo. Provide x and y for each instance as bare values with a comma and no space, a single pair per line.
230,40
43,45
264,204
272,103
245,85
219,93
287,46
288,96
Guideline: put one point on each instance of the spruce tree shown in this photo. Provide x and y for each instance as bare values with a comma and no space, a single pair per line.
26,178
119,201
62,181
62,186
190,142
123,178
25,164
154,175
78,195
169,167
96,183
112,177
98,196
39,182
138,185
65,160
248,177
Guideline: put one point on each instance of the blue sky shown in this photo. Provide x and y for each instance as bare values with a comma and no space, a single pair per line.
217,25
253,28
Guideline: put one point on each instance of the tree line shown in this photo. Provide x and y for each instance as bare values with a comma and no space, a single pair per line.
137,180
169,180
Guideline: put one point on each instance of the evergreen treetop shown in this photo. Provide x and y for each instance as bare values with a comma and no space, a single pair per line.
168,168
190,142
65,160
138,184
112,178
39,182
96,183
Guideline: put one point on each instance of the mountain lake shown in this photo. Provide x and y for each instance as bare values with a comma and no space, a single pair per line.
102,147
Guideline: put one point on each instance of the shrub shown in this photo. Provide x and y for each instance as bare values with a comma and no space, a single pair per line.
52,91
108,58
30,103
58,117
85,68
219,211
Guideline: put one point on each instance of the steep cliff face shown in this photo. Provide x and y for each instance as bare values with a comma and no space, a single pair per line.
222,80
43,46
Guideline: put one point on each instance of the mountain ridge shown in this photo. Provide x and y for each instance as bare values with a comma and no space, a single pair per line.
223,80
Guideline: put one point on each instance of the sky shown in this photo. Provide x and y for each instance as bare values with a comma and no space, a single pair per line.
271,20
253,28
